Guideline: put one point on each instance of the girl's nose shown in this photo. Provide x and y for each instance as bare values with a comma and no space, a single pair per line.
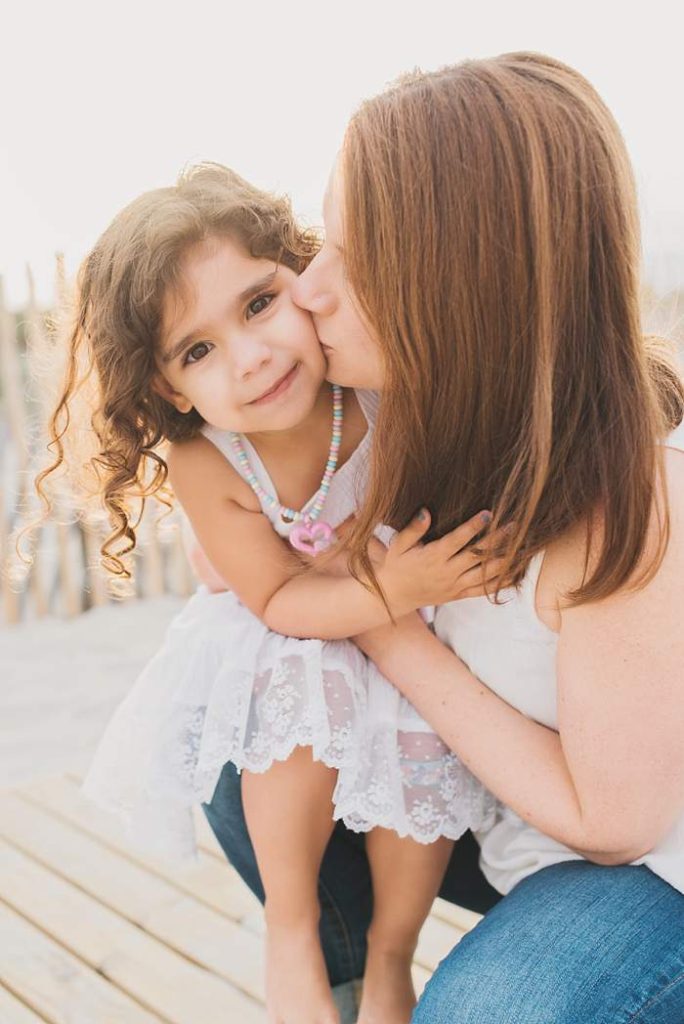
250,355
311,292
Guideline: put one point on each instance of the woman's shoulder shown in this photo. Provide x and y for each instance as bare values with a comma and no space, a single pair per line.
568,558
674,478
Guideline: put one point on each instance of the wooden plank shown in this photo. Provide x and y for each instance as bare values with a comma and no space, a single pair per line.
54,809
145,898
147,970
96,869
445,927
459,917
227,949
190,928
56,984
436,940
60,797
420,978
211,881
206,840
12,1011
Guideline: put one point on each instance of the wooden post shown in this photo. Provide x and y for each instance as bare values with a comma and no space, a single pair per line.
10,598
13,395
150,556
13,388
70,591
96,583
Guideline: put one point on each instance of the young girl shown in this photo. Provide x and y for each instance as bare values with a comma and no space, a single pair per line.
186,327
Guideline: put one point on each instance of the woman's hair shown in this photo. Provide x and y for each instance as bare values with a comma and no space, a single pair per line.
117,319
492,244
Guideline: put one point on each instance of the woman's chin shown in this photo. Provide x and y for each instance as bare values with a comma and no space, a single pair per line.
350,377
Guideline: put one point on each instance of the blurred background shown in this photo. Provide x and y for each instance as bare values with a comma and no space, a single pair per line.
102,101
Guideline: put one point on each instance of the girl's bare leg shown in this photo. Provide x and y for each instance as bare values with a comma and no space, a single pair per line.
406,878
289,816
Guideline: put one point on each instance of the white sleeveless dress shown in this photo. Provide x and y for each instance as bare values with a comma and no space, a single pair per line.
223,687
514,653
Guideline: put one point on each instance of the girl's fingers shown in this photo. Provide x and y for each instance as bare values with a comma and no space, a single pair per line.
492,568
480,591
491,541
459,538
411,534
474,579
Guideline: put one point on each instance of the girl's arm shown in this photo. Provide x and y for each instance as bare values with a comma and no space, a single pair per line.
269,577
610,783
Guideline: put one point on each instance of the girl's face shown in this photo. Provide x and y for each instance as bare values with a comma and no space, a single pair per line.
238,349
354,357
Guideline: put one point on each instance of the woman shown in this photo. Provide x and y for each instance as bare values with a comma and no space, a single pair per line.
480,269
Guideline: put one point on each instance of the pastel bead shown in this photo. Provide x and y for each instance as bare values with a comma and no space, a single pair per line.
321,539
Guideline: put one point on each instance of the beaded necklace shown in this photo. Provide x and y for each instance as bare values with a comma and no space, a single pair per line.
309,534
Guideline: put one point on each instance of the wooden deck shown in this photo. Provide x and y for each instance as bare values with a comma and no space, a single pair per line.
93,932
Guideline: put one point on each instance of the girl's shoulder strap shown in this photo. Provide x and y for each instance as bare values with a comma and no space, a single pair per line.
221,440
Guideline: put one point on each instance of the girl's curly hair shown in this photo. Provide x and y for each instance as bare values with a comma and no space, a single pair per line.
115,328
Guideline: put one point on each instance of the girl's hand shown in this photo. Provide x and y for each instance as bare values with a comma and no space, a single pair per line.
414,574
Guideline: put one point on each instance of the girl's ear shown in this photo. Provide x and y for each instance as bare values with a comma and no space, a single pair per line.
161,385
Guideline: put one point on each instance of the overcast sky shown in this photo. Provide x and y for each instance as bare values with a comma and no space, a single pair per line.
101,101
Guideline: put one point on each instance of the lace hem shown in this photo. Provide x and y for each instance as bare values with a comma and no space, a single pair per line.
224,688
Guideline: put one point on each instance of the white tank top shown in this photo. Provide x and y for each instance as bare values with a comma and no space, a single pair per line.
514,653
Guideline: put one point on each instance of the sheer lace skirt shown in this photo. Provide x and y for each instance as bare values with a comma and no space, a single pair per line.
225,688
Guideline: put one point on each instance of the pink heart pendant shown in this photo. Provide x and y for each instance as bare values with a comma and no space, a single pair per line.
311,538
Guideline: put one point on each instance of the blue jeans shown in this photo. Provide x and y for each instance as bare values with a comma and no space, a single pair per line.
572,944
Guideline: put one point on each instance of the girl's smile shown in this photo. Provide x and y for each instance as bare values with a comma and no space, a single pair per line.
235,347
279,388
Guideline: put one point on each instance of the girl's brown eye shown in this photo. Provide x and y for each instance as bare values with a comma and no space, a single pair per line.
197,352
259,304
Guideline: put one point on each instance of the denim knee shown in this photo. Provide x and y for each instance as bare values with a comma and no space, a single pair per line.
573,943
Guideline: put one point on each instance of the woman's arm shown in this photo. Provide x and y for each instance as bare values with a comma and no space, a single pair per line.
610,783
269,577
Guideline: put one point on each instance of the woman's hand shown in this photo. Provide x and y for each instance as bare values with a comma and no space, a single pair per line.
414,575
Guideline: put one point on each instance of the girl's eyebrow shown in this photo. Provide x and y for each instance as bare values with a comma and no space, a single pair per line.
258,286
244,296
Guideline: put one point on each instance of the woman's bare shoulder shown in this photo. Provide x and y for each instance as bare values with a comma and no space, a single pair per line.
565,559
674,474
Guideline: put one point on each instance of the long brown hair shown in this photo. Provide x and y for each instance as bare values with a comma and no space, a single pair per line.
117,317
492,242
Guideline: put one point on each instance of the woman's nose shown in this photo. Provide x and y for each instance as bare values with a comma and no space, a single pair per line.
310,291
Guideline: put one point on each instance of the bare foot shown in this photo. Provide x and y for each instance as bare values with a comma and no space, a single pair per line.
297,986
388,993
